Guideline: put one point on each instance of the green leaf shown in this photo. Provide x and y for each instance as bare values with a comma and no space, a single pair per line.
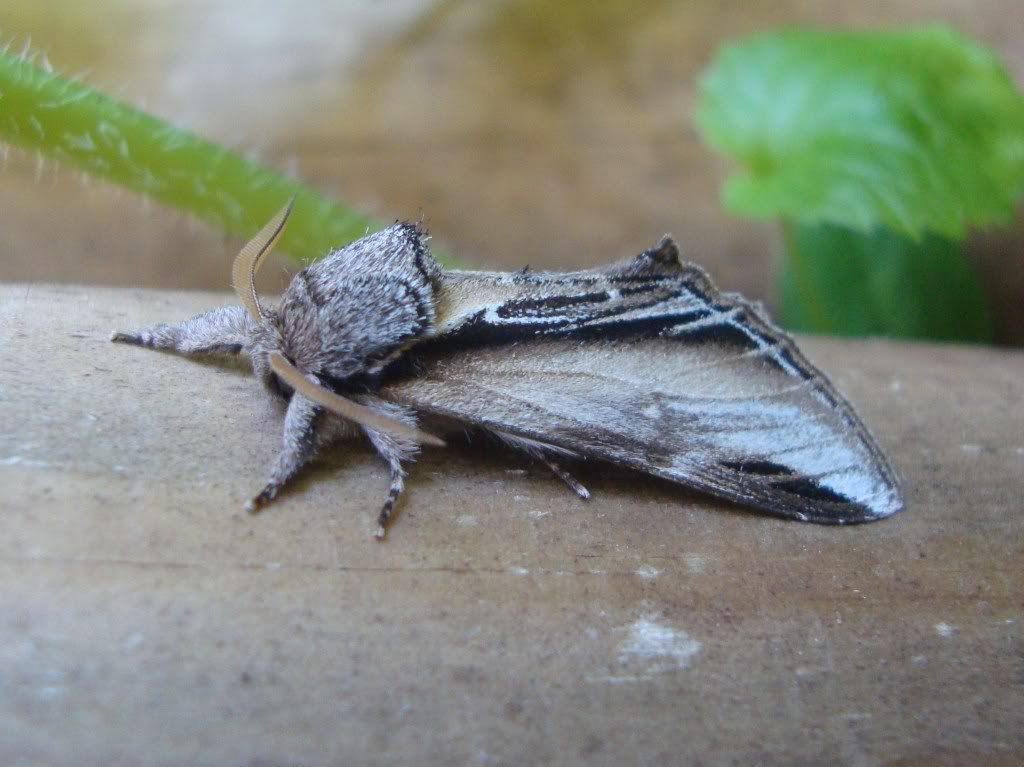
916,130
845,282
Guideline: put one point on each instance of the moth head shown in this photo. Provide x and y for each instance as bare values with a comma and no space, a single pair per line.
270,347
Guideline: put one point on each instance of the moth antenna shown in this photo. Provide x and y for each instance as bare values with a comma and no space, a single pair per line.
249,258
344,407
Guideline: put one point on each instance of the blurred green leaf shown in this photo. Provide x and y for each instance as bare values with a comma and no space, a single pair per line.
837,280
917,130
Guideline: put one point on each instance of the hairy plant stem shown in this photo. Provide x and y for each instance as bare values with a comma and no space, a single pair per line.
73,124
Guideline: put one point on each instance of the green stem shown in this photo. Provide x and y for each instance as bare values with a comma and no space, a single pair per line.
71,123
811,314
845,281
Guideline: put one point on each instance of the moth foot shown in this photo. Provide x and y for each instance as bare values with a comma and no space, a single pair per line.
265,496
574,484
388,507
539,451
385,515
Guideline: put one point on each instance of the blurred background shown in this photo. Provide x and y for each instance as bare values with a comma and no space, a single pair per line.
558,134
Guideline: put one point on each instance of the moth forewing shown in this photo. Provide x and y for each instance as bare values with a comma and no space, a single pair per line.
648,366
641,363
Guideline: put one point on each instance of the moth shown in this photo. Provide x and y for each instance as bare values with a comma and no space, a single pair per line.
644,364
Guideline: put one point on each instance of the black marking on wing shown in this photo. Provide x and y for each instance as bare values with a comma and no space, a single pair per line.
726,333
709,322
801,486
629,278
637,289
811,490
478,331
760,467
536,306
681,303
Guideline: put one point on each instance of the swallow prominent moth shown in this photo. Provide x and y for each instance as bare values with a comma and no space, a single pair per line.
644,364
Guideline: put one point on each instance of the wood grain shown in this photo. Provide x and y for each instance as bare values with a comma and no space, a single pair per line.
145,619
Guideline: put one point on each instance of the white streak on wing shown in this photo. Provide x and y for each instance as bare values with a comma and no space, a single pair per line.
679,303
811,447
733,411
713,319
491,317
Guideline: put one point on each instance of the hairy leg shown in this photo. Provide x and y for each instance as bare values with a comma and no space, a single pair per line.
225,330
542,452
394,450
307,429
298,446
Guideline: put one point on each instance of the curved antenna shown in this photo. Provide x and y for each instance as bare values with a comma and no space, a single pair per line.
344,407
249,258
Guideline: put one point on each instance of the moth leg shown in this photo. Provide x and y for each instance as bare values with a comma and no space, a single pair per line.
395,451
225,330
541,451
573,483
307,429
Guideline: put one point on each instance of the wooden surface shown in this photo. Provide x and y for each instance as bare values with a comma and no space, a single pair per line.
558,134
145,619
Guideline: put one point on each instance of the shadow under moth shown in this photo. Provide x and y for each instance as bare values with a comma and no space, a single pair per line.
643,364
